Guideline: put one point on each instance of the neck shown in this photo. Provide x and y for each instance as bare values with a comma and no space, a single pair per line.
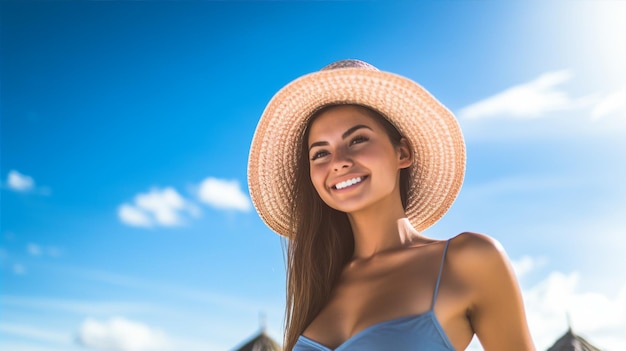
381,228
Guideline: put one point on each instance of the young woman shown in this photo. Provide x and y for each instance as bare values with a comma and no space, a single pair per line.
352,164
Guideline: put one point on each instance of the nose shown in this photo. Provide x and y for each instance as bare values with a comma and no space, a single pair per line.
341,161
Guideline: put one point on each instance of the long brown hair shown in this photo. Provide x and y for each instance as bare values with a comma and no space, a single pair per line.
321,240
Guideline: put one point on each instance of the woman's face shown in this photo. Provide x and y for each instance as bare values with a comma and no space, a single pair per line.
353,163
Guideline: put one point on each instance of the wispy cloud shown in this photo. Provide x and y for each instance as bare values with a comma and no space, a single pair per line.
16,263
78,307
520,184
37,250
119,333
545,108
34,333
28,345
610,104
23,183
527,100
173,290
163,207
223,194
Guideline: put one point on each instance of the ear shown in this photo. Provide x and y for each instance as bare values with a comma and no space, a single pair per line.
405,155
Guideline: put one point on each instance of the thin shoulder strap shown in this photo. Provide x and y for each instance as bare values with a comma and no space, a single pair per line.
443,257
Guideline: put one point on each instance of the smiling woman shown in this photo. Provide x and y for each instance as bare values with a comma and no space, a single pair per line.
351,164
355,140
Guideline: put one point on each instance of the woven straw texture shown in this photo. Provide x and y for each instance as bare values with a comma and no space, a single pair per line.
432,130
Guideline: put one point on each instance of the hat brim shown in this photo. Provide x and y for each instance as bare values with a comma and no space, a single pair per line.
431,129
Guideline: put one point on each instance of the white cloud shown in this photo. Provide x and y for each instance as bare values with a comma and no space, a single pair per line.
526,264
23,183
223,194
559,297
610,104
165,207
134,216
20,182
120,334
528,100
474,345
163,204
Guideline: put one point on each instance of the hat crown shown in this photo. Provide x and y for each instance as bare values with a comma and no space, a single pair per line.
350,64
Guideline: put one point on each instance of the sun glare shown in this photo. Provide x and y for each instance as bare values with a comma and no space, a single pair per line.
607,22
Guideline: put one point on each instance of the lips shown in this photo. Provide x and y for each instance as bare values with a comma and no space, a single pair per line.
348,182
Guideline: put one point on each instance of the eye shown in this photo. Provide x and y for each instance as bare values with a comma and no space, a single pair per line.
319,154
358,139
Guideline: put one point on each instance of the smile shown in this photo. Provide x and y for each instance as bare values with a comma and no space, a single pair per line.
348,183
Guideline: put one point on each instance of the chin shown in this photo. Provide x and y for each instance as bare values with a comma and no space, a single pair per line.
347,207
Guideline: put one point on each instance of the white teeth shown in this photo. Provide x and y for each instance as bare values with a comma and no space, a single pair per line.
348,182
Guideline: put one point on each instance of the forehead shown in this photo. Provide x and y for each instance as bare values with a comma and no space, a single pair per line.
339,118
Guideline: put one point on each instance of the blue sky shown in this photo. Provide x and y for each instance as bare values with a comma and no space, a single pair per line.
125,128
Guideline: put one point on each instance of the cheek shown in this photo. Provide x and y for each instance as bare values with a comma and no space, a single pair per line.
383,163
317,179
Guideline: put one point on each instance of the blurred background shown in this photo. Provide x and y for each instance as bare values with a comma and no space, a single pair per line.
126,222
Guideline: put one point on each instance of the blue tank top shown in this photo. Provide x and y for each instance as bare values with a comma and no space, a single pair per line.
420,332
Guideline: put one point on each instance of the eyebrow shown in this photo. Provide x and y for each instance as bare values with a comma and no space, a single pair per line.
346,134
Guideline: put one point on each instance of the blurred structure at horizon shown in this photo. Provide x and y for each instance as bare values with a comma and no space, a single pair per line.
568,342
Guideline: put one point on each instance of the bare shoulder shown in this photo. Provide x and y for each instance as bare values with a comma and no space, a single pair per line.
475,241
495,306
477,249
480,261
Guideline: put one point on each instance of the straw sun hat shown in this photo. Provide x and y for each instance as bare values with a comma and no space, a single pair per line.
432,130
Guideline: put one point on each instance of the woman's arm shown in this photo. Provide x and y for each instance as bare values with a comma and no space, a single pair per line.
497,311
